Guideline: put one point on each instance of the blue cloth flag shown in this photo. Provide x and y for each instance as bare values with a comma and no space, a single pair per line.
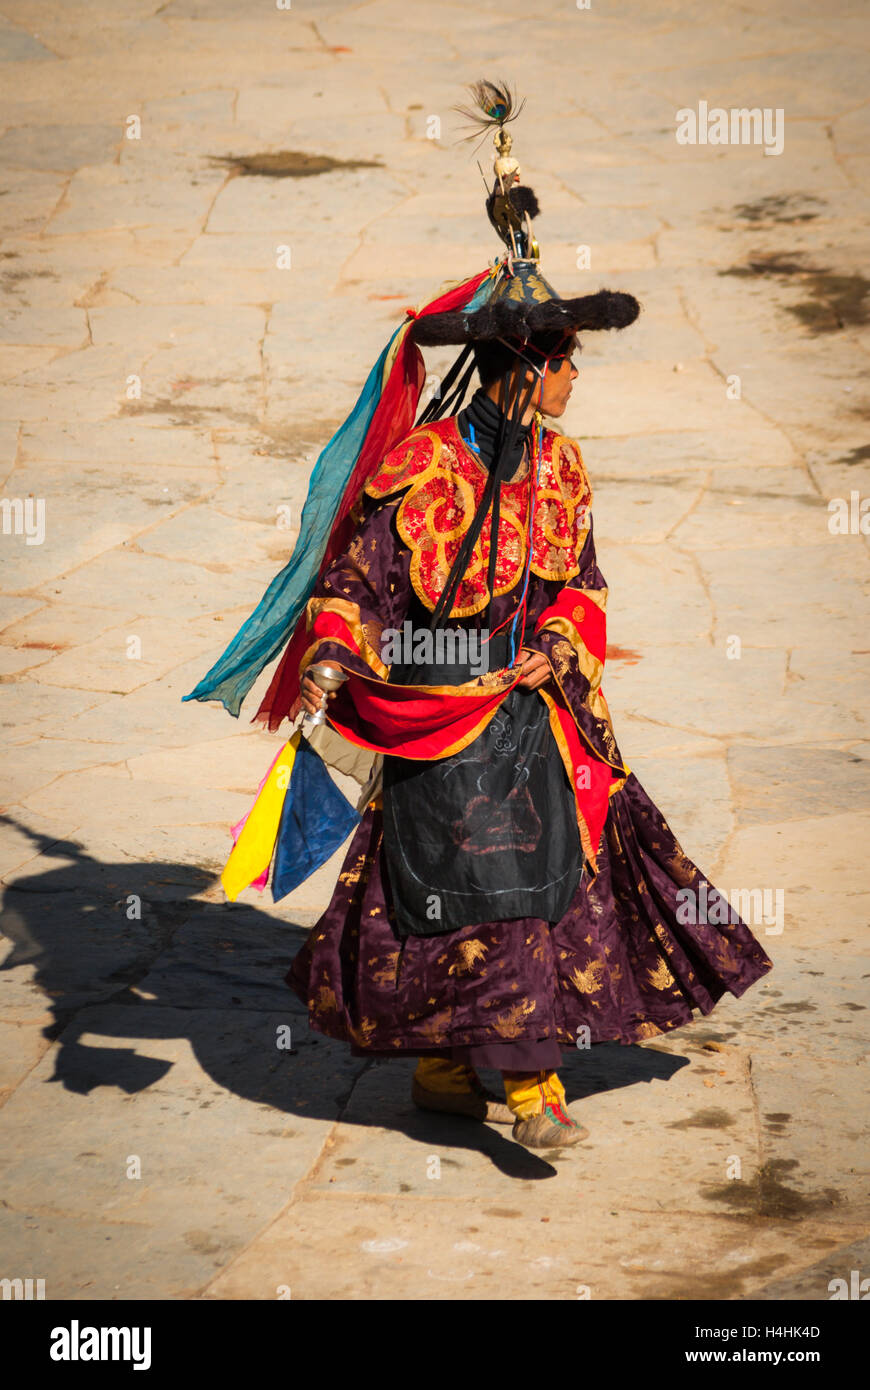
316,818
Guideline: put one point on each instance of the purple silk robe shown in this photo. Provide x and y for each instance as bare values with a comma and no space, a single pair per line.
621,962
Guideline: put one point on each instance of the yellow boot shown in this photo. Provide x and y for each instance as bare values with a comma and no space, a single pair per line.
453,1088
537,1100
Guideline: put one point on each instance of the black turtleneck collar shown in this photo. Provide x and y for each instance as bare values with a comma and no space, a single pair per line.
478,424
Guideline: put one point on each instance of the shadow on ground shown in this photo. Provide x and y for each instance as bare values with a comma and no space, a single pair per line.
127,950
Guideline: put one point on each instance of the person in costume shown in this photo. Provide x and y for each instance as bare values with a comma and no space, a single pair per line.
510,890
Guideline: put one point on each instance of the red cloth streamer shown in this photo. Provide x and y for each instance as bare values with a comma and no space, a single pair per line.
591,778
411,721
392,421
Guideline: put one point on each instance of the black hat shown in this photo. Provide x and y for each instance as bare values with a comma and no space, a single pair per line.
519,303
516,307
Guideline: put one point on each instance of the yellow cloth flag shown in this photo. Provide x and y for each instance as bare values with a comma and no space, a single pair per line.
252,852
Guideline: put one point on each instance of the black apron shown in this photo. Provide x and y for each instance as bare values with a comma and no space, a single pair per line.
489,833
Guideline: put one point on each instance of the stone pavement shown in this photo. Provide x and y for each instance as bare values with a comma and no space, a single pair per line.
166,381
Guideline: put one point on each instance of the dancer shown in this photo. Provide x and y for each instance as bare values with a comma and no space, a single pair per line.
510,890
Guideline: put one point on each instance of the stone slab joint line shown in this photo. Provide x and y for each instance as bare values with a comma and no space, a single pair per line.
301,1187
361,234
202,229
691,556
264,392
59,776
759,1129
31,33
16,456
222,468
33,858
790,677
130,546
59,205
759,410
703,486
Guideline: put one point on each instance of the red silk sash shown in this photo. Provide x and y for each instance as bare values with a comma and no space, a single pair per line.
415,721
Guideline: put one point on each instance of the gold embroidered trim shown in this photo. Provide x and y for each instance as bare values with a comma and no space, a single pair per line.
349,612
599,710
562,744
590,666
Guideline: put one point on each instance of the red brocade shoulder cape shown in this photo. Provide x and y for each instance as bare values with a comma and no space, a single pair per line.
444,481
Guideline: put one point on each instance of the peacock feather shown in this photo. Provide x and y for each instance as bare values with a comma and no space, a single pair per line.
494,105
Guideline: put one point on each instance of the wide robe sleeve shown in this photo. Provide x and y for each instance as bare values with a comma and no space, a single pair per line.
570,631
362,594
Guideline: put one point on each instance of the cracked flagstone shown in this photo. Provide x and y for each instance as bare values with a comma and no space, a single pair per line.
179,338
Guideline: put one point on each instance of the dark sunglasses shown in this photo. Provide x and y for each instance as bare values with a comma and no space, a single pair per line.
556,363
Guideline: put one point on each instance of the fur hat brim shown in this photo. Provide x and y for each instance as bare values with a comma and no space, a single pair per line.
506,318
